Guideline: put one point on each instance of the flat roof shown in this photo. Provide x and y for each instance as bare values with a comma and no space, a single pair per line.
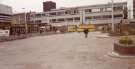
5,5
63,8
4,9
86,6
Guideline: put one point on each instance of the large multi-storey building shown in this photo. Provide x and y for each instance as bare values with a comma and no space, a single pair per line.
22,18
131,9
134,8
48,5
19,22
5,16
94,14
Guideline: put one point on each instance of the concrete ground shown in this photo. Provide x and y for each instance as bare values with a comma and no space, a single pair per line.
23,36
62,51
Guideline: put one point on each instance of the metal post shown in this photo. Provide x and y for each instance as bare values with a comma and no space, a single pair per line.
25,20
19,20
34,18
82,16
112,16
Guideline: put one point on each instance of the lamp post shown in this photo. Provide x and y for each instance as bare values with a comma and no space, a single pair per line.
81,16
112,25
25,21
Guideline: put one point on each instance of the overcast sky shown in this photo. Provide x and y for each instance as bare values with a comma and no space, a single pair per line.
36,5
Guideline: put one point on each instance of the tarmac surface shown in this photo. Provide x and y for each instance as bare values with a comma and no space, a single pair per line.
62,51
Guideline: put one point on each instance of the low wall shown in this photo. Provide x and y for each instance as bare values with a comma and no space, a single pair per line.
124,49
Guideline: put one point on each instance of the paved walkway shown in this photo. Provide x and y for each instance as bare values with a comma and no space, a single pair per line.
23,36
62,51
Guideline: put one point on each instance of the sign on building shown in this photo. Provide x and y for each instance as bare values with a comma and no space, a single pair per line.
4,32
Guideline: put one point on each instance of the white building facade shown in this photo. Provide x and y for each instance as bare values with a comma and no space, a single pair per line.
5,16
130,9
93,14
5,9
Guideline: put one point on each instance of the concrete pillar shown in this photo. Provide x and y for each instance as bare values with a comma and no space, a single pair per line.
73,20
130,9
84,20
82,16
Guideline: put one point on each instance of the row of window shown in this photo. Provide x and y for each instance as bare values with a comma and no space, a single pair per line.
4,18
119,8
86,18
76,11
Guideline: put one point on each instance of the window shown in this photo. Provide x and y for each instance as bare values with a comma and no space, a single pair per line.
53,20
117,16
76,11
54,13
88,10
96,17
118,8
88,18
101,9
95,10
38,15
77,18
68,12
38,21
61,20
108,9
72,12
43,14
107,16
70,19
60,13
